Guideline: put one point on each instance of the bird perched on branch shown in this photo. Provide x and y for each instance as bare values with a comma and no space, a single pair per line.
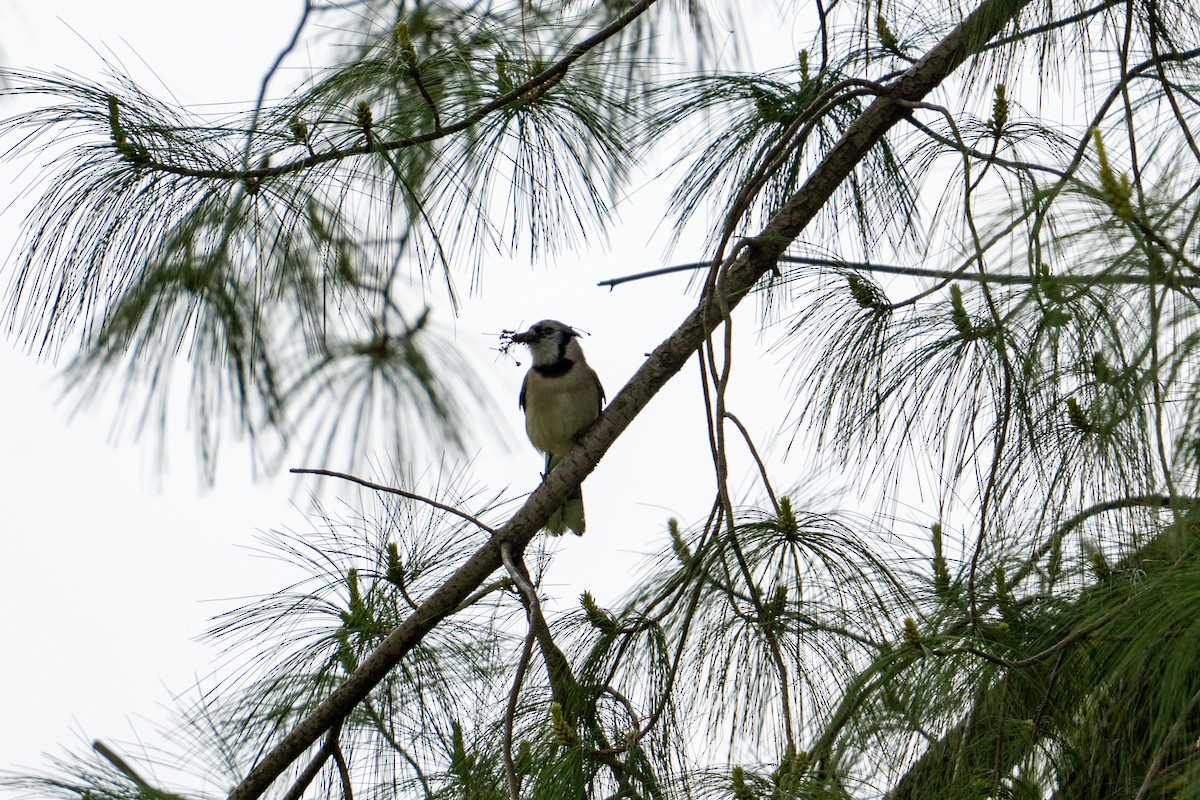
561,397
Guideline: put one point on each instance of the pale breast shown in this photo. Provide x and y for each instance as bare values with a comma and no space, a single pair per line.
557,409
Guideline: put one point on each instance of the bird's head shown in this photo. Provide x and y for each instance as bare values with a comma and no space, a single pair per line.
550,341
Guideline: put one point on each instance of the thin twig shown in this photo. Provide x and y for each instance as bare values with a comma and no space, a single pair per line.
123,766
343,769
1079,633
1050,683
262,92
415,74
558,669
625,701
534,85
1025,33
563,686
510,713
380,726
992,488
501,585
305,778
958,273
1117,504
301,784
521,579
790,139
762,468
400,492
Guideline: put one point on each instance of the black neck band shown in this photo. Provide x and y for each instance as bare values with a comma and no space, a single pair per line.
555,370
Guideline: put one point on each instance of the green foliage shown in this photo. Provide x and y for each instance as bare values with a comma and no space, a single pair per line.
1018,355
755,140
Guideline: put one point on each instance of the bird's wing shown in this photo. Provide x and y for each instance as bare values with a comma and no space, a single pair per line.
599,390
524,385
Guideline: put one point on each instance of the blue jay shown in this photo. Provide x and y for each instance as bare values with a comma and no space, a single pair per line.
561,396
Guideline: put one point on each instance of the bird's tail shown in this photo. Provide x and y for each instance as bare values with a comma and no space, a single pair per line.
570,515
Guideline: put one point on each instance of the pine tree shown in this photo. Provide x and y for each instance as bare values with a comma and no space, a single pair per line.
1030,340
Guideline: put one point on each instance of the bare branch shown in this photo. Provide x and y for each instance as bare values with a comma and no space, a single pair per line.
343,769
533,86
510,715
762,468
302,782
558,669
958,273
262,92
112,757
400,492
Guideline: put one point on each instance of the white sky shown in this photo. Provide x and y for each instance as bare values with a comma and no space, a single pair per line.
109,570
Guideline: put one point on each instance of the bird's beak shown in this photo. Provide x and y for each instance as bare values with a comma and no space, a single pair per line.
524,337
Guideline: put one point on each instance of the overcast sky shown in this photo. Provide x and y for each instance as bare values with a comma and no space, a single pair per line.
109,568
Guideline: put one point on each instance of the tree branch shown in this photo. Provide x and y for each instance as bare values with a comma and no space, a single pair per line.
112,757
537,83
999,278
343,769
314,767
262,92
558,668
510,715
379,487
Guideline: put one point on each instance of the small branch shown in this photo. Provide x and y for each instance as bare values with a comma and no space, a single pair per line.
400,492
1118,504
297,789
262,92
112,757
1001,278
558,669
533,86
790,139
1050,683
1082,632
510,713
380,726
1027,33
563,686
521,578
503,583
654,273
762,468
415,74
988,158
1131,501
623,700
343,769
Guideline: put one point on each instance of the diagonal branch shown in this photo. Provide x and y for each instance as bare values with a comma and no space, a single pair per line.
536,84
510,715
262,92
123,766
379,487
558,669
969,37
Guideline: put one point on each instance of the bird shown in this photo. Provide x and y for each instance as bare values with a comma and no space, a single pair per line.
561,396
